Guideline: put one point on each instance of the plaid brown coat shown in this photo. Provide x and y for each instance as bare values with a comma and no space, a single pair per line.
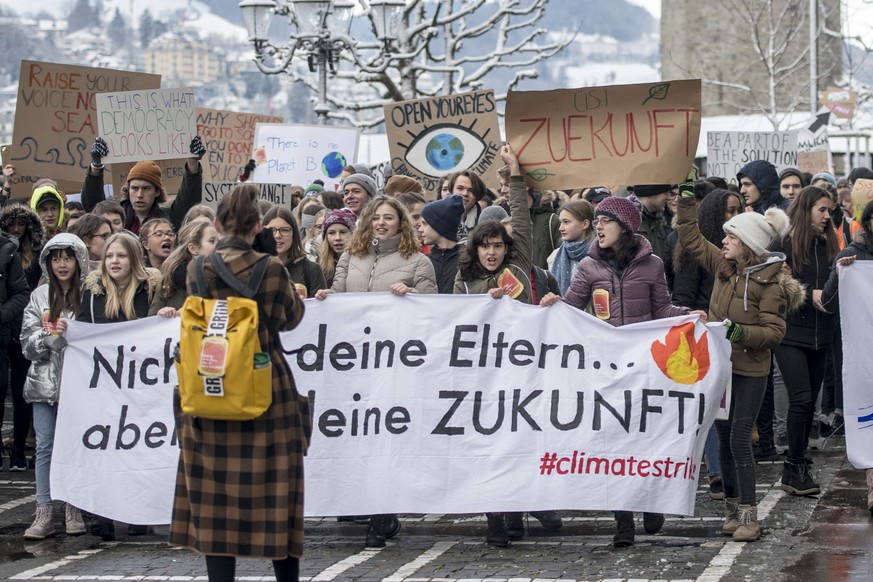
239,488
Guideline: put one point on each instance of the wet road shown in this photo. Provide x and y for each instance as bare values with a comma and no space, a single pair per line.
822,539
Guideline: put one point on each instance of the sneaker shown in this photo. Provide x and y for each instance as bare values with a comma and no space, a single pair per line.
73,522
42,526
496,534
716,489
550,520
764,454
17,464
515,525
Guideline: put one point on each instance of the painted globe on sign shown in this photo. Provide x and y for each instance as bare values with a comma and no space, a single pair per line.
444,151
332,164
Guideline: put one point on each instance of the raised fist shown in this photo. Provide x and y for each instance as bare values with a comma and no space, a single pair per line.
197,149
99,151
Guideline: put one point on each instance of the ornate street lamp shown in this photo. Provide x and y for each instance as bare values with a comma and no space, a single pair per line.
316,22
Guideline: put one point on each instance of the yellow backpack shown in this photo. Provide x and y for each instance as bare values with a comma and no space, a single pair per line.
223,373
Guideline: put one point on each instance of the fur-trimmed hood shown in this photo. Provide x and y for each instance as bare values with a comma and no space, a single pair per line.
795,291
771,270
94,284
13,212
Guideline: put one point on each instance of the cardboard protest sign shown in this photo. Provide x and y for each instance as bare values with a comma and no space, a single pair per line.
172,172
728,151
840,102
619,134
279,194
55,119
228,137
154,124
862,194
813,151
436,136
301,154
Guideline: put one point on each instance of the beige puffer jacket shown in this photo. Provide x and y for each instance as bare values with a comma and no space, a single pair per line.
381,267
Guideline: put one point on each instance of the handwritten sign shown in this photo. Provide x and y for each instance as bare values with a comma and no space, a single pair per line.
278,194
840,102
147,125
862,194
625,134
55,119
301,154
433,137
229,137
172,172
728,151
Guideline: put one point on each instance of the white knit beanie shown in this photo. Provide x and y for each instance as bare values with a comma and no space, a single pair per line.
757,231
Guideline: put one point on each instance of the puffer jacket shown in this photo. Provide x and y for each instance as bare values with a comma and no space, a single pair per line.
44,375
382,267
94,298
522,235
809,327
639,294
759,299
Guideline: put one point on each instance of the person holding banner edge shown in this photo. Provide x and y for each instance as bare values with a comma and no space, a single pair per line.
752,296
143,193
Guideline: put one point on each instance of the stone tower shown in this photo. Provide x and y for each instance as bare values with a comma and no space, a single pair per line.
753,55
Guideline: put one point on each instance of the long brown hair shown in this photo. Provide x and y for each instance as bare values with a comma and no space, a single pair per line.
362,238
191,233
238,211
59,301
725,269
801,232
296,249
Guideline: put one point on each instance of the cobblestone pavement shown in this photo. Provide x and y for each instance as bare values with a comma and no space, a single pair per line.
821,539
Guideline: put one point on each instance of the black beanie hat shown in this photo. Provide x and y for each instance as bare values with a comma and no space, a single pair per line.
444,216
646,190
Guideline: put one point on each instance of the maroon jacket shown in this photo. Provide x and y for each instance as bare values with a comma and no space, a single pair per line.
640,294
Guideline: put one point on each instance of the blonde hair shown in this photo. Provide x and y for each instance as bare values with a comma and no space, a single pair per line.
191,233
118,302
363,236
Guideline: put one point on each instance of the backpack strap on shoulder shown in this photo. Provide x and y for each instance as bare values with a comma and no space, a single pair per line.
248,291
200,276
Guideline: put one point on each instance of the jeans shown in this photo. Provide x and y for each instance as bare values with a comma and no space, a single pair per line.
44,417
735,438
710,453
803,370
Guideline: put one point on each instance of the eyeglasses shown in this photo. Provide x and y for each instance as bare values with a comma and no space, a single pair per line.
103,236
163,234
604,220
283,230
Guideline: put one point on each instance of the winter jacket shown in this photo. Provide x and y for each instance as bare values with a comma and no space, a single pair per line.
445,266
94,298
36,236
808,327
639,294
546,236
44,375
521,239
177,299
308,274
382,267
189,195
862,250
758,299
13,289
654,228
692,285
763,175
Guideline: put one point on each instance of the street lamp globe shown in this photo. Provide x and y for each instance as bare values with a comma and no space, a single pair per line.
386,16
257,15
311,15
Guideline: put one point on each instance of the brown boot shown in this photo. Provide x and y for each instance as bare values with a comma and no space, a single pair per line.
749,529
731,516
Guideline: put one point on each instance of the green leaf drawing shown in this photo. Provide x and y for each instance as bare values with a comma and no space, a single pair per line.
658,92
539,175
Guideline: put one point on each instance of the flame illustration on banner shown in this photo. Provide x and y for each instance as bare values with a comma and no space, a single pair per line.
681,357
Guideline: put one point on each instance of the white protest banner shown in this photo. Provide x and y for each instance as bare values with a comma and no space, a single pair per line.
154,124
279,194
728,151
301,154
856,317
458,404
115,449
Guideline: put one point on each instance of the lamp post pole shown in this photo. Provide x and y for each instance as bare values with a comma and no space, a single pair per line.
322,55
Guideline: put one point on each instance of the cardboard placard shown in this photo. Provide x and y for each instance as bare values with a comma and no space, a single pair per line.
155,124
56,119
436,136
840,102
862,194
728,151
301,154
172,172
279,194
229,137
626,134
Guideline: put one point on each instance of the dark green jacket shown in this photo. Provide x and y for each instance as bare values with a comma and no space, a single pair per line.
546,236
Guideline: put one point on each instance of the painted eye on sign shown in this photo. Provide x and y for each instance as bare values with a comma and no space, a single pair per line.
445,148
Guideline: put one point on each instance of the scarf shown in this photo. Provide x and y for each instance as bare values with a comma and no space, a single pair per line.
568,257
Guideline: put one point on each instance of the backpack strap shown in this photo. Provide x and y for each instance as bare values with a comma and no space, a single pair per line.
248,291
200,276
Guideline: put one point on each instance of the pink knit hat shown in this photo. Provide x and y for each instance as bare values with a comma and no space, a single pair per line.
621,209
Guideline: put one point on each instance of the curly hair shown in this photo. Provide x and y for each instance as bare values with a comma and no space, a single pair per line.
363,236
710,220
469,266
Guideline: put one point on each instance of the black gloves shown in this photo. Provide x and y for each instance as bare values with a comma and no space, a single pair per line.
99,151
197,149
734,331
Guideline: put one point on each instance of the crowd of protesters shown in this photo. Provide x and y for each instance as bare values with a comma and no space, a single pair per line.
760,256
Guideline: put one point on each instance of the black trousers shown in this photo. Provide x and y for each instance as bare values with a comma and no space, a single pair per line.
803,370
13,373
735,438
223,569
764,421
